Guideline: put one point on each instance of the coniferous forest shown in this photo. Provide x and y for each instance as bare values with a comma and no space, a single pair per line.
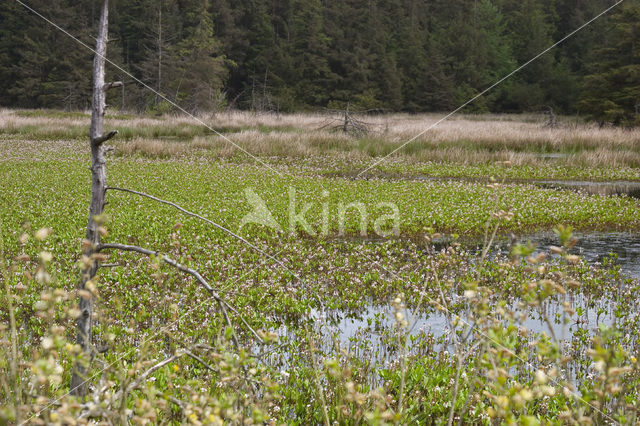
292,55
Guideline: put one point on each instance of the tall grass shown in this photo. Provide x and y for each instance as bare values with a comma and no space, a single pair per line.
481,139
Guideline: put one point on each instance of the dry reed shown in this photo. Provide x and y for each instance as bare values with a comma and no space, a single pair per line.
463,139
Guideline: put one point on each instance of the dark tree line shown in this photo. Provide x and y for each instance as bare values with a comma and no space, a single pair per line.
287,55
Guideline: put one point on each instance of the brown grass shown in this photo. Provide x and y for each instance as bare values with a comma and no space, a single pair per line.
153,148
473,139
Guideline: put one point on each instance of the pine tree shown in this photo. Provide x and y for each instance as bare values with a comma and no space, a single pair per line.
248,38
426,86
406,55
306,51
154,66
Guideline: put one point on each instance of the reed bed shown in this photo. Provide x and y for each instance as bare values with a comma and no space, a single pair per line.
463,139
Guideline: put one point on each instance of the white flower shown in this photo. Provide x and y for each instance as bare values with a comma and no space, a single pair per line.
47,343
43,233
43,277
541,377
469,294
46,257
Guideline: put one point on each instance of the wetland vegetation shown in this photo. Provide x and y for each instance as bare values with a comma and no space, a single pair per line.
464,315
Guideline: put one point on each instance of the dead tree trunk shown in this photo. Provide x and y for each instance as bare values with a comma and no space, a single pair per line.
345,127
99,181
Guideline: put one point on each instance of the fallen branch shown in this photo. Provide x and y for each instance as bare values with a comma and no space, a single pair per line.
191,272
197,216
200,360
246,324
182,405
141,378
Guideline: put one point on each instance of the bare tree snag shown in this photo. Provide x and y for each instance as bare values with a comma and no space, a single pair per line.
346,121
84,323
345,127
552,120
159,51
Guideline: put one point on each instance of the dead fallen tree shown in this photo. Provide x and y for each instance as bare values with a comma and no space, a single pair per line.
348,121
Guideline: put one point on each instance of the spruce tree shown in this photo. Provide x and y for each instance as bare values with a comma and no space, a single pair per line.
612,90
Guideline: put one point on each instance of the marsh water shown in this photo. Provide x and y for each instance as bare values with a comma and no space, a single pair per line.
629,188
616,187
371,332
594,247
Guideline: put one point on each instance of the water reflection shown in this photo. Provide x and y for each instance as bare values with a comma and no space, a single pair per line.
594,247
617,187
372,336
629,188
376,322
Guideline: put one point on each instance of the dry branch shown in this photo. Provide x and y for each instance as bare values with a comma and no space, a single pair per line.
197,216
141,378
200,360
112,85
103,138
144,376
222,303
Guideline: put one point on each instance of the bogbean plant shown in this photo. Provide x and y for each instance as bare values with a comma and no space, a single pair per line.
502,372
487,368
138,387
499,371
522,377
